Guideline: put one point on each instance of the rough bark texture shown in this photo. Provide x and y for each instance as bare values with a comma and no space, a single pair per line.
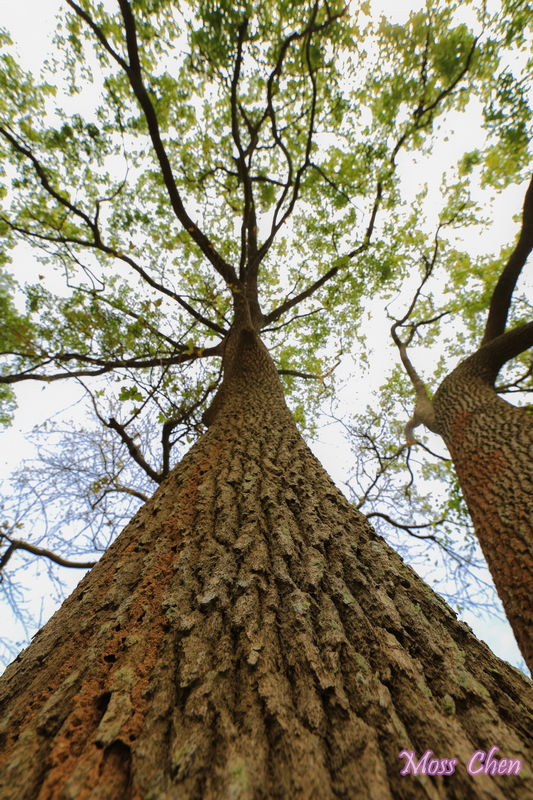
491,444
250,637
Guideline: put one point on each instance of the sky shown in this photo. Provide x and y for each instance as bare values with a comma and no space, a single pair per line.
31,23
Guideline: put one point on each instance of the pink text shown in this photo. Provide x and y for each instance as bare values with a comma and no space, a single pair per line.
481,762
427,765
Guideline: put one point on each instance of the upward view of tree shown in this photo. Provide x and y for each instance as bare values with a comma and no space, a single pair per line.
219,185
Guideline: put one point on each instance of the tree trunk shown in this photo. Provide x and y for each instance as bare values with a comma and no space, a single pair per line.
249,637
491,444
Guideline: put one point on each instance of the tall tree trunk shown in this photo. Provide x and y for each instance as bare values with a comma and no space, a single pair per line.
491,444
248,636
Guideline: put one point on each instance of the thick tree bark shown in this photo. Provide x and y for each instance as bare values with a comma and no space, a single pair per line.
491,444
249,636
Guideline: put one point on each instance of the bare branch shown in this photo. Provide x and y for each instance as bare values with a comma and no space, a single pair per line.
133,450
431,453
19,544
118,487
410,528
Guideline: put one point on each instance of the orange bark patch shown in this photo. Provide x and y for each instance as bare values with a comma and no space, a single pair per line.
71,742
72,745
77,752
152,593
57,672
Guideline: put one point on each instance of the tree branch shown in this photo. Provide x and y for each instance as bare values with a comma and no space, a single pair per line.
424,413
422,109
288,304
501,297
296,374
486,362
170,425
134,73
118,487
99,245
249,223
139,317
108,366
133,450
19,544
47,185
408,527
294,182
515,385
98,33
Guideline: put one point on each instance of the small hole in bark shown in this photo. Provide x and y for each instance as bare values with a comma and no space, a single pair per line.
115,768
405,583
103,702
111,658
398,634
117,626
132,737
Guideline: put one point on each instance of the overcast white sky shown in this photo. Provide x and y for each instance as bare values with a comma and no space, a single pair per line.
31,23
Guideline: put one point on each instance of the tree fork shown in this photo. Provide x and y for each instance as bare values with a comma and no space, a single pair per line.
249,635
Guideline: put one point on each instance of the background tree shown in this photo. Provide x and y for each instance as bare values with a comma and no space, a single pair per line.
504,442
489,439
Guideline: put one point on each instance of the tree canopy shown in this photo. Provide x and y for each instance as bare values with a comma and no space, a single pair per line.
172,157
